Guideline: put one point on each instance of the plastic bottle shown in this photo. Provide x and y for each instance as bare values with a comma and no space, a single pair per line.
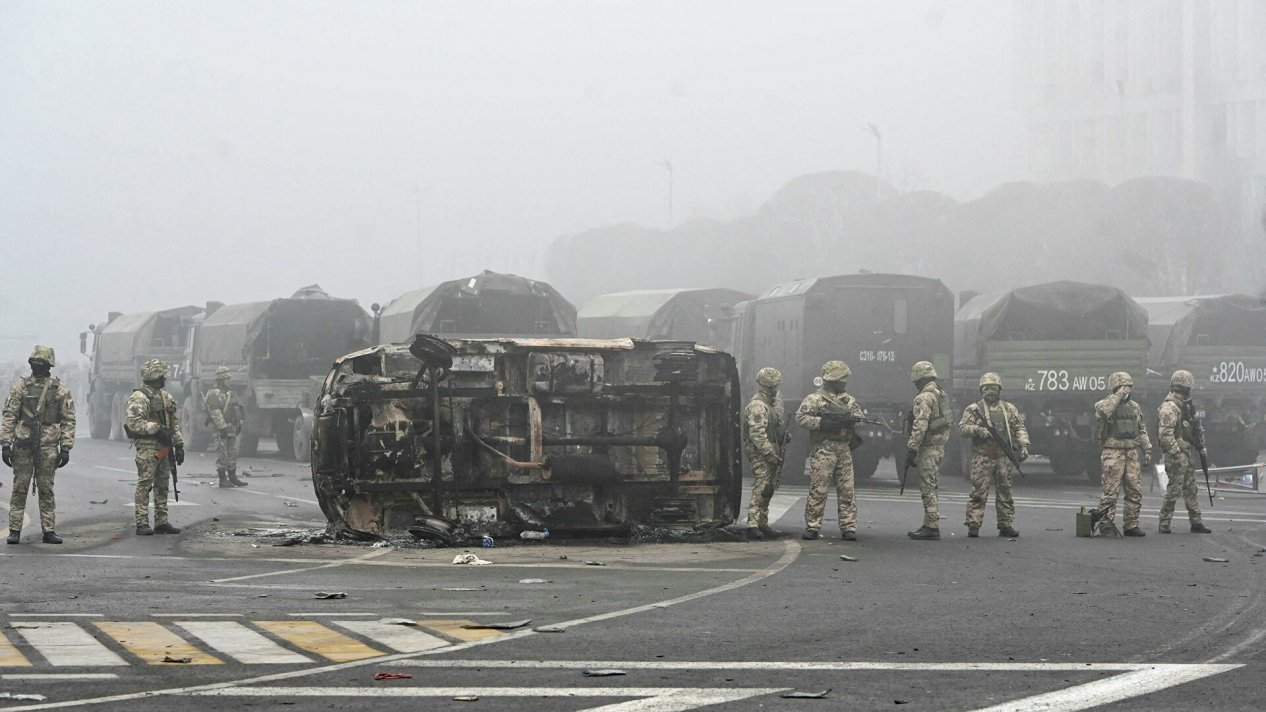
487,542
529,534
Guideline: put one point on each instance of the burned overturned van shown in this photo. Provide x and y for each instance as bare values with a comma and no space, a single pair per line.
505,435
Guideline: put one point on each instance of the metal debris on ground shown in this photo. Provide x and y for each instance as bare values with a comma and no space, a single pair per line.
594,563
846,557
392,676
466,698
798,695
508,625
326,596
464,588
470,559
380,544
93,501
397,621
18,696
533,581
1216,560
550,629
170,659
288,503
604,672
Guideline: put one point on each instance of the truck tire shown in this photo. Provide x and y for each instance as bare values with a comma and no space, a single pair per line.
1094,468
118,416
196,436
1067,464
865,462
284,433
99,421
248,444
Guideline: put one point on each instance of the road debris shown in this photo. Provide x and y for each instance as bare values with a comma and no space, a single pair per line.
798,695
470,559
466,698
397,621
464,588
594,563
170,659
93,501
604,672
327,596
846,557
550,629
288,503
508,625
533,581
1216,560
392,676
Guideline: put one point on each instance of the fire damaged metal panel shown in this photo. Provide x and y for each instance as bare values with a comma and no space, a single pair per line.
509,434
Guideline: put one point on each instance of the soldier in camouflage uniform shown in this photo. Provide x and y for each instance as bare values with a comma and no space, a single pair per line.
989,462
765,440
824,413
1120,432
1178,442
154,428
929,431
39,399
225,411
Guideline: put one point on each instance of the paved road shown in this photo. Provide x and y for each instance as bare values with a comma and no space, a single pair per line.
1045,622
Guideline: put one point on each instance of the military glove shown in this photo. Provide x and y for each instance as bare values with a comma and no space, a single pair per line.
912,457
1024,454
63,458
7,455
163,436
180,454
1125,397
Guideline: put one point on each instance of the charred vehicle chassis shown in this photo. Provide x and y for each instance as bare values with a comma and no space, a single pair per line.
573,435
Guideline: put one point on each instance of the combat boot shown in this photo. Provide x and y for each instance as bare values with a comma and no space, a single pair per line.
973,532
755,534
144,530
233,479
925,533
1163,528
848,536
1135,531
166,528
15,537
810,534
52,538
1199,528
1008,532
224,478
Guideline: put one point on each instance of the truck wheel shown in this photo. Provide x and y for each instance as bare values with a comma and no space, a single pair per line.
284,432
248,444
302,441
1094,468
196,436
99,422
864,464
118,415
1067,465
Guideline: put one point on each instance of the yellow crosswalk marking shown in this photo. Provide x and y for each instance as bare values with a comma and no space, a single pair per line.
316,638
152,642
10,656
454,629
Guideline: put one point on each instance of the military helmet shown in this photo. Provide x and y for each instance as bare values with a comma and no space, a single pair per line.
835,371
223,372
922,370
42,354
1182,378
768,377
153,369
1118,379
990,379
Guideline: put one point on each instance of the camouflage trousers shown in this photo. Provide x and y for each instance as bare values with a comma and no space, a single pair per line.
830,461
928,462
23,468
225,453
152,475
987,470
765,475
1182,482
1120,468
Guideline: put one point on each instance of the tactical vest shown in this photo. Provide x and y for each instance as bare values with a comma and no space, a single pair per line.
157,411
839,407
48,411
776,427
1182,429
937,422
1122,425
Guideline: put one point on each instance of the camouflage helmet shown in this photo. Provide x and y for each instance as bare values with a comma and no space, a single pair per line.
1182,378
223,372
153,370
1118,379
922,370
769,377
42,354
835,371
990,379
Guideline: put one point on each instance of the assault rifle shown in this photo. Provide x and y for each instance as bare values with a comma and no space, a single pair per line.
1197,436
169,450
36,423
1002,443
908,429
773,481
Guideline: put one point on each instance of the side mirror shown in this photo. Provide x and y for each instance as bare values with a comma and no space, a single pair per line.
83,343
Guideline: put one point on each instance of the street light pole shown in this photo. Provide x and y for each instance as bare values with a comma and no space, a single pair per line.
873,130
668,166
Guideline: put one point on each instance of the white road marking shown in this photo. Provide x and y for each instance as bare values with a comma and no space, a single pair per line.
650,699
63,644
60,677
55,615
241,643
1113,689
196,615
282,496
402,639
780,504
116,469
330,615
1240,647
822,666
170,503
364,558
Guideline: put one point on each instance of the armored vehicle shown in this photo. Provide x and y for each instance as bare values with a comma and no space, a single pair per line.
503,435
1222,340
119,346
488,304
705,316
1054,345
278,351
880,324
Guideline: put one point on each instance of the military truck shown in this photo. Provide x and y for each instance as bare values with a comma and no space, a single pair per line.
498,436
278,351
119,346
879,324
1221,339
487,304
705,316
1054,345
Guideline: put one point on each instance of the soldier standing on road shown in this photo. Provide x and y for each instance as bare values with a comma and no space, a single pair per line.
1177,440
989,463
45,401
154,428
765,440
1120,432
824,414
929,431
226,413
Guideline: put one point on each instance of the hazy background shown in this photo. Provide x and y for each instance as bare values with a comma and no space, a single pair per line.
154,153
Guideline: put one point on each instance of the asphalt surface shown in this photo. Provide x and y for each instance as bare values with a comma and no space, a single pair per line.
1047,621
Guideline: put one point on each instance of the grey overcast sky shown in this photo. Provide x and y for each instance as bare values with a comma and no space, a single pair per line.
160,153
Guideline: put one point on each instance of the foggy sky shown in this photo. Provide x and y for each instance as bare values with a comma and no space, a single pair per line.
154,154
